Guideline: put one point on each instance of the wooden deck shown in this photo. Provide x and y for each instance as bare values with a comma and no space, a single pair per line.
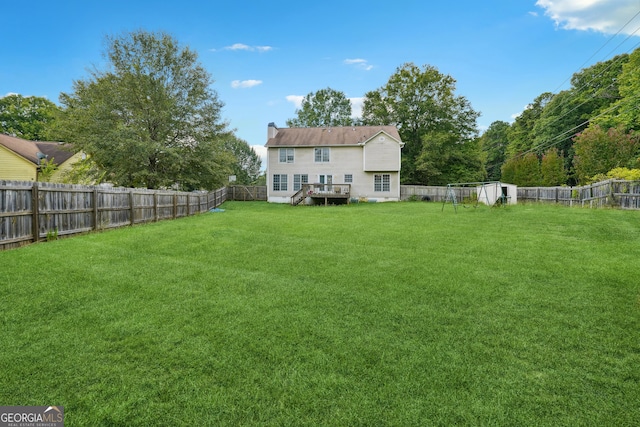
323,194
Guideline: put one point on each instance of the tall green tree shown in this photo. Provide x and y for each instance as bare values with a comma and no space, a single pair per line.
598,150
28,117
552,168
444,160
520,132
522,170
625,112
150,119
493,143
422,103
593,90
246,166
326,107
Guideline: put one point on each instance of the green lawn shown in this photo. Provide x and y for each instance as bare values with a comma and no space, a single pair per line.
392,314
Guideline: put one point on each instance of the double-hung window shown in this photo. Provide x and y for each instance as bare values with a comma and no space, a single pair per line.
286,155
348,178
298,180
382,182
279,182
321,155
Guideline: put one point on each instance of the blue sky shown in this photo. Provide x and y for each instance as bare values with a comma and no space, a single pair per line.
266,55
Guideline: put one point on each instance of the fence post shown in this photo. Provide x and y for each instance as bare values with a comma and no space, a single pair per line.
95,208
131,208
155,205
35,209
175,205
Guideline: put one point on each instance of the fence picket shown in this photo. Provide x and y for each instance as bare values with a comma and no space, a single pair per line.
29,211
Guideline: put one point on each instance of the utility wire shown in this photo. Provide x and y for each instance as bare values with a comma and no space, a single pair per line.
577,91
602,47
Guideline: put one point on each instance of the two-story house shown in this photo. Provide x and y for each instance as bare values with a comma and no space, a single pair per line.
335,164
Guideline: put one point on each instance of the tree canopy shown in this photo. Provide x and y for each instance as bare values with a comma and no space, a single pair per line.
28,117
494,144
247,163
597,114
150,119
433,122
326,107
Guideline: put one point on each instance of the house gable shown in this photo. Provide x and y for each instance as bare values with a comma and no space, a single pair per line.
381,153
14,167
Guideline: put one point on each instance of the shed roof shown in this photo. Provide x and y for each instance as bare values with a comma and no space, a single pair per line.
329,136
30,149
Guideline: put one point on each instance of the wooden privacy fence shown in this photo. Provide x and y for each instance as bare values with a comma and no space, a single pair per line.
246,193
611,193
435,193
33,211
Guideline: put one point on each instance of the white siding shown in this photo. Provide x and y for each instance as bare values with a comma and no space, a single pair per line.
343,160
381,154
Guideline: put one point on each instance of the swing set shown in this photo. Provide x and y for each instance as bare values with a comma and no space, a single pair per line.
491,193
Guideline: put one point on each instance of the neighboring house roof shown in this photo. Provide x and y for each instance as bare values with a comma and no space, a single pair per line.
329,136
33,151
57,151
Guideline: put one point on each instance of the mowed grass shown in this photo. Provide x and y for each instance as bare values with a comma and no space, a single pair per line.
392,314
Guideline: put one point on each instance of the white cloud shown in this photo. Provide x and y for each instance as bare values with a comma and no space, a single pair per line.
261,151
296,100
242,46
516,115
243,84
9,94
605,16
356,107
238,46
359,63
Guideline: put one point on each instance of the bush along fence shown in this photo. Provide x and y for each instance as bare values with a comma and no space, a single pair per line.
35,211
611,193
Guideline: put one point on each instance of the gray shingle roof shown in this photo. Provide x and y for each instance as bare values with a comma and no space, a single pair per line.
30,149
328,136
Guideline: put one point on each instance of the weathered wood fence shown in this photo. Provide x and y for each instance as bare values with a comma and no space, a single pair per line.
246,193
435,193
611,193
34,211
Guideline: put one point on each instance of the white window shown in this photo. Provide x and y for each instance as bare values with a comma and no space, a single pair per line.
286,155
348,178
382,182
321,155
298,180
279,182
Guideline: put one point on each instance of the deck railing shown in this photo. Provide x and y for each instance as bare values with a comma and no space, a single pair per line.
322,191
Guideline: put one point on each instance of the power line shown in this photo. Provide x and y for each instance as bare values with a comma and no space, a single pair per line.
602,47
557,139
